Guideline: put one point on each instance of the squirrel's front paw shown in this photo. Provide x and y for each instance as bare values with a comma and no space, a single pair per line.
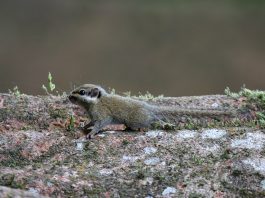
91,134
88,128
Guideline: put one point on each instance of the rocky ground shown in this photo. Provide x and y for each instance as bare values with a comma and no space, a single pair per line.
43,153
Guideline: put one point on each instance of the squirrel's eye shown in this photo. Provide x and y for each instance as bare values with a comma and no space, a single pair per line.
82,92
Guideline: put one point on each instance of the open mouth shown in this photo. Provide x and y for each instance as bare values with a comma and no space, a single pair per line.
73,99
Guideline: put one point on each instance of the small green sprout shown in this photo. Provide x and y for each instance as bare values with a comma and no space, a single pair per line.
149,96
71,125
228,92
112,91
15,91
261,119
51,85
127,94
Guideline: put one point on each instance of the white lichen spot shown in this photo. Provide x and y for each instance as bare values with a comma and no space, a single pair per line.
213,134
168,191
251,141
150,150
129,159
79,146
258,164
215,105
186,134
152,161
111,132
212,149
207,149
262,184
34,191
105,172
155,134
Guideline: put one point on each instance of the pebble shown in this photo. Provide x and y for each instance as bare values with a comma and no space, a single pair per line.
168,191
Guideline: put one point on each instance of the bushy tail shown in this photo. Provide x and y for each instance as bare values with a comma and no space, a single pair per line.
169,114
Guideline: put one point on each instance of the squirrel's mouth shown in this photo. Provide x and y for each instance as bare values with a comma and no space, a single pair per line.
72,98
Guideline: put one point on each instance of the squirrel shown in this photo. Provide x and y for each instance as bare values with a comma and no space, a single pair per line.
107,109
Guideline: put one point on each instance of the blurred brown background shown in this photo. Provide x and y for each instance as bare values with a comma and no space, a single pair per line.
166,47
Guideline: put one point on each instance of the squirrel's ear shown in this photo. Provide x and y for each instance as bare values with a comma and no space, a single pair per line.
95,93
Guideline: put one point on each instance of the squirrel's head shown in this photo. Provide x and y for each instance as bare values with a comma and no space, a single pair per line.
86,94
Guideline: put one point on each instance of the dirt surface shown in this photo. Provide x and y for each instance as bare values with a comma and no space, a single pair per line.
43,152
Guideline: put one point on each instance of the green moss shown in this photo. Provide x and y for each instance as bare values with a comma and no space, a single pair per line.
190,125
125,142
250,193
255,102
90,151
9,180
140,174
163,125
71,124
26,127
197,160
195,195
15,91
58,113
253,96
226,155
93,192
14,158
261,119
236,173
159,177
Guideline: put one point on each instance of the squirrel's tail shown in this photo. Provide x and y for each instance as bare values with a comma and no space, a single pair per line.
169,114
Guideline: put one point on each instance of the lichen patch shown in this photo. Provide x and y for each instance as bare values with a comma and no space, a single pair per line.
155,134
254,141
257,163
150,150
213,134
186,134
